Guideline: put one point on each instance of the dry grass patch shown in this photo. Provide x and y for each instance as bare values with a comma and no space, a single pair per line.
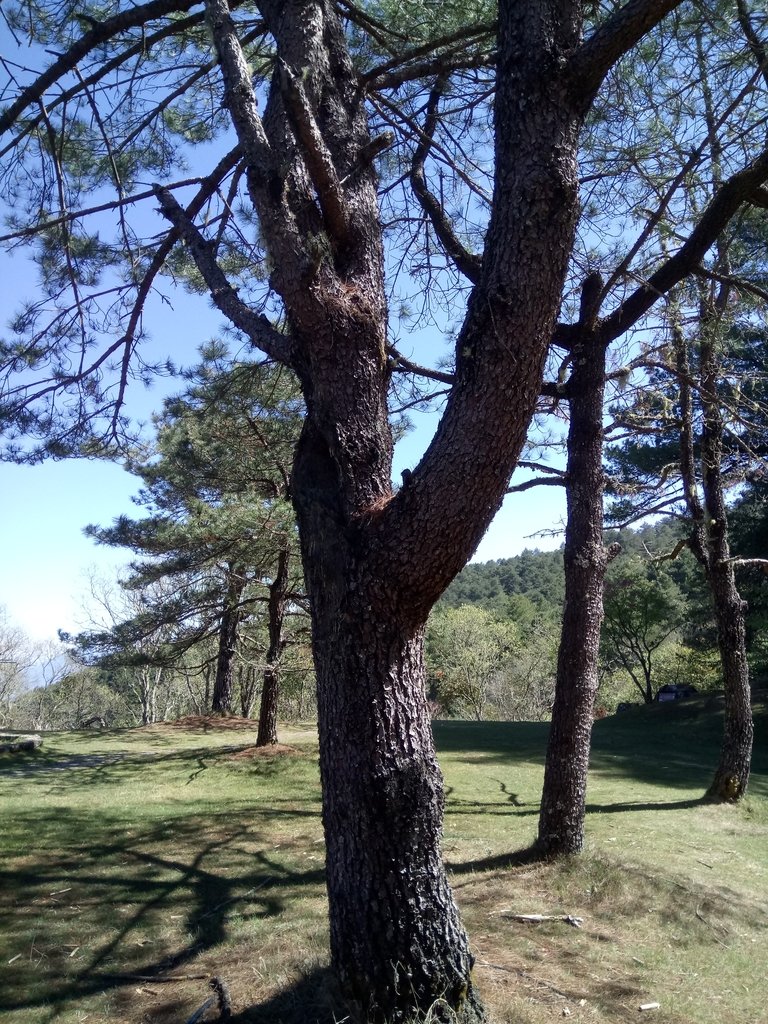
136,865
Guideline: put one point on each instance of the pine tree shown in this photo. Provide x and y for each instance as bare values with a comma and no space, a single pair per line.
219,530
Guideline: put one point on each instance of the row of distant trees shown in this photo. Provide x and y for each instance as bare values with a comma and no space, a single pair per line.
492,641
43,686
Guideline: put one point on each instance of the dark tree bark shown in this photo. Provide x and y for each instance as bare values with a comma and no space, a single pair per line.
709,543
732,773
561,819
375,561
270,690
221,703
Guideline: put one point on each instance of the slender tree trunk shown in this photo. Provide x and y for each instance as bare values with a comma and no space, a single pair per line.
732,773
225,660
709,542
270,689
247,688
561,820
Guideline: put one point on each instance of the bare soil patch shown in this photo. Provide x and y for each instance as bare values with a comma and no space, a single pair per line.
205,723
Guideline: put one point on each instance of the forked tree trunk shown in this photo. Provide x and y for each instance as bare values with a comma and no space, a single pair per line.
270,690
225,660
375,562
563,801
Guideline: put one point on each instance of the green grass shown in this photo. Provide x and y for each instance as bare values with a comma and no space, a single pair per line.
136,864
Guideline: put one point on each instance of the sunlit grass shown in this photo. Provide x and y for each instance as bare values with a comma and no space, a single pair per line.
136,864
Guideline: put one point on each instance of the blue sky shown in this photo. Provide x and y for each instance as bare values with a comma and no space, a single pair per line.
44,557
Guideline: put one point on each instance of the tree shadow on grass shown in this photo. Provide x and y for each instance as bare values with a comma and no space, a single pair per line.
110,766
129,886
313,999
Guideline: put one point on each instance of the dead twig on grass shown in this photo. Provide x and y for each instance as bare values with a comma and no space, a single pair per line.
574,922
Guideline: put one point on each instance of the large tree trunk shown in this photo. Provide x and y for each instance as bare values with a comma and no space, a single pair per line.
270,689
228,627
561,820
375,562
397,943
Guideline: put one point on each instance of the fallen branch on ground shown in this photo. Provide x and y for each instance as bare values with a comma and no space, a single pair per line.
575,922
221,995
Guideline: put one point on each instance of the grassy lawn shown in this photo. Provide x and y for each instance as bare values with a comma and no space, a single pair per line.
137,864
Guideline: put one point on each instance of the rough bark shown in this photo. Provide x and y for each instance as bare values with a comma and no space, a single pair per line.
709,543
732,774
270,690
374,561
561,819
221,703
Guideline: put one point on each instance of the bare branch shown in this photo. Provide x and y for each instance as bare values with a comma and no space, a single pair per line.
733,193
543,482
463,35
749,563
101,32
442,64
145,43
258,328
669,556
466,262
88,211
403,365
382,33
736,282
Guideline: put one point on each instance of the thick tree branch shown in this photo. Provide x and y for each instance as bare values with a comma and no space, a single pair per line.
463,35
736,282
749,563
610,41
443,64
239,96
465,261
401,364
317,158
258,328
734,192
546,481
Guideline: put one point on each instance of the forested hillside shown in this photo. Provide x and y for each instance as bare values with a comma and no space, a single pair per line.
658,629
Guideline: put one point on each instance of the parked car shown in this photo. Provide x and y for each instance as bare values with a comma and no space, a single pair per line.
675,691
